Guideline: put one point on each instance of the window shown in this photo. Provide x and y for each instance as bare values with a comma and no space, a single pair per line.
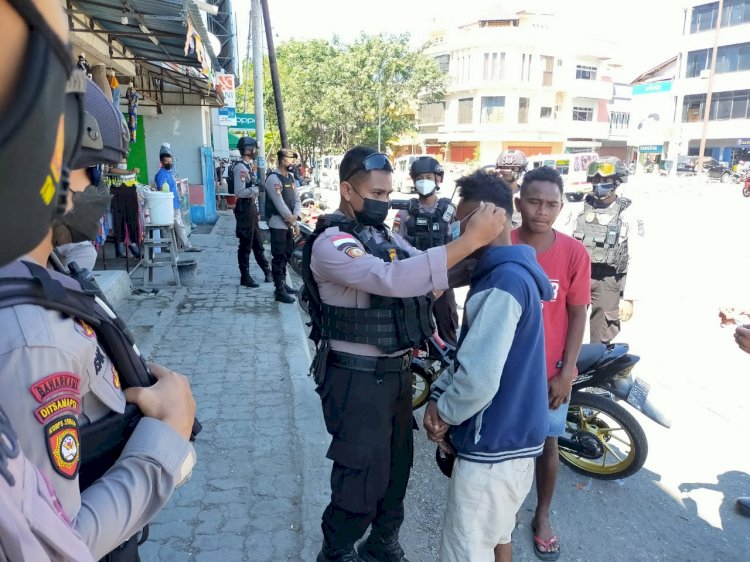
724,105
523,110
465,111
704,17
585,72
619,120
735,12
432,113
545,112
548,64
493,109
583,114
697,61
462,68
443,62
733,58
494,66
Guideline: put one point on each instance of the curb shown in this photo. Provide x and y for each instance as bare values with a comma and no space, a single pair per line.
311,433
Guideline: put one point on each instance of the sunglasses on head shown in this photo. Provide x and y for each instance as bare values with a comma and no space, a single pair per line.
375,161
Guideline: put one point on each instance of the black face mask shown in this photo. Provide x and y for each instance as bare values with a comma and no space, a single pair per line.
373,212
167,166
49,123
290,168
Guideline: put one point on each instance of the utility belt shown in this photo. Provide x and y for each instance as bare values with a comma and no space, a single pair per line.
367,364
128,551
601,270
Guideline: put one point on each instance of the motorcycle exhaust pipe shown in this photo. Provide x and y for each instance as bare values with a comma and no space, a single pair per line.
621,389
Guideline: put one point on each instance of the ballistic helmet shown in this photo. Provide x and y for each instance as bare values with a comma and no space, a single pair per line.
425,165
246,143
105,135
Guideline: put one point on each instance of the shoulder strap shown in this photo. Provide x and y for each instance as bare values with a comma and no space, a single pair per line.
624,203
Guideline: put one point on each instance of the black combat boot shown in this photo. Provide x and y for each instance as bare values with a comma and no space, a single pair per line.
382,548
246,280
281,295
268,276
327,555
290,290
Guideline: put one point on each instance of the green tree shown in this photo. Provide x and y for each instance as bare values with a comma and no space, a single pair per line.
337,95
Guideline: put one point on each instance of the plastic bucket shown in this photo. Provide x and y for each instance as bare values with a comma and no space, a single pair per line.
160,207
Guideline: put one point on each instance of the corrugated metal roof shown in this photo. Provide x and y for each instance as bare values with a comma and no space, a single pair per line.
166,21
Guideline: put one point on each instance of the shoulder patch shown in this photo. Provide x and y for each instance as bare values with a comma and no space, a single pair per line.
55,383
354,252
61,404
63,446
116,378
341,239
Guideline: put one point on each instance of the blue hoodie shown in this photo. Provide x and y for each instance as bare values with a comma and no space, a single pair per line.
495,395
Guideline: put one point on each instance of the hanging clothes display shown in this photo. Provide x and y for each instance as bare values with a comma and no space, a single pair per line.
132,97
114,85
127,219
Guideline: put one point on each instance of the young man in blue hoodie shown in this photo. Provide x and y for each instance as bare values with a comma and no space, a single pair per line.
493,403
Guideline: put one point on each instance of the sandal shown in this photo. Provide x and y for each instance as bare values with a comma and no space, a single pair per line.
551,548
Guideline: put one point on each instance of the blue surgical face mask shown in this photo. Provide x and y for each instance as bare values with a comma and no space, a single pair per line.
603,190
455,226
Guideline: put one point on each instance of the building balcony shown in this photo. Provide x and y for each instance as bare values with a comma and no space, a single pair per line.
593,89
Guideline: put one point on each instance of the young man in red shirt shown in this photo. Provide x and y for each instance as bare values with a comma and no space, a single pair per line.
568,266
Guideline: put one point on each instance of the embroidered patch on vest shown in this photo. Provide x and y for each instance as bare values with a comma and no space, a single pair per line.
58,405
55,384
63,446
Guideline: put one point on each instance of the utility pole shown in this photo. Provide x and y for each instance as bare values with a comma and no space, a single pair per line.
709,94
256,24
274,75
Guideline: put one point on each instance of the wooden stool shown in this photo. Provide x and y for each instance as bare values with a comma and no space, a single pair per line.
149,259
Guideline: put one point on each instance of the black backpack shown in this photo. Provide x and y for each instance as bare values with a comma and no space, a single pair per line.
230,178
100,450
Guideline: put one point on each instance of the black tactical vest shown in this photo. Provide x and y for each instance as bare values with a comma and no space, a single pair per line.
425,229
599,230
390,324
288,194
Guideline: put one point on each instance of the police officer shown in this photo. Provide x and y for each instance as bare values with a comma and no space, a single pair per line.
368,307
511,166
244,178
282,209
608,229
426,225
54,376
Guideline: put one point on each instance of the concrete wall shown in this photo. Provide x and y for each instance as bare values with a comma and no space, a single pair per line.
184,128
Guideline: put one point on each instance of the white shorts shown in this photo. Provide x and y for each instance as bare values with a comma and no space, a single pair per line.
483,500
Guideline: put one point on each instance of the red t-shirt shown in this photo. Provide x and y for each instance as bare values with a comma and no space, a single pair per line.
568,266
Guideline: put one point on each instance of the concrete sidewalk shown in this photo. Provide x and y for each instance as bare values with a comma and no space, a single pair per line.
261,481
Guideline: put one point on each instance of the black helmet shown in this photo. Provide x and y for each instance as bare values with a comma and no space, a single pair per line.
246,143
307,198
425,165
105,135
609,167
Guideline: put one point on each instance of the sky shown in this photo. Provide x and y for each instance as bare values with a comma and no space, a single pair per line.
645,32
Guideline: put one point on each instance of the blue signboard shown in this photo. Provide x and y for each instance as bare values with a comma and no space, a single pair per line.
743,142
651,149
652,88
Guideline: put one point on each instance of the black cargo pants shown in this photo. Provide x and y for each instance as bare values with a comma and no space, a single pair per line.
607,287
248,233
369,415
282,244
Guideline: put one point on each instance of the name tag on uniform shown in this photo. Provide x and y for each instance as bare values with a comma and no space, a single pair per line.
421,221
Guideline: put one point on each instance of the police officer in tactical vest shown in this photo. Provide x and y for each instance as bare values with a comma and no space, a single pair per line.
426,225
55,377
370,304
282,209
244,184
607,229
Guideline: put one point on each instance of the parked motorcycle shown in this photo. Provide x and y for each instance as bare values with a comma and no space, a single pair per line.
746,187
300,239
603,439
427,364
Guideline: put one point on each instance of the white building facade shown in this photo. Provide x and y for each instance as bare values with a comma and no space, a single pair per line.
518,82
728,131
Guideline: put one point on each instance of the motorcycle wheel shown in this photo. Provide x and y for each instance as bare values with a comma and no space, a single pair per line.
420,390
304,300
296,265
746,191
624,442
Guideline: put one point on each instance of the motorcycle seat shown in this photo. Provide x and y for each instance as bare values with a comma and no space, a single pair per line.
590,353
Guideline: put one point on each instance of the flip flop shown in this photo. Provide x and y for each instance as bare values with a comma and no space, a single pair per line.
546,554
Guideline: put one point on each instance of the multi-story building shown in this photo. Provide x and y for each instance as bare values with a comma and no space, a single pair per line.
728,130
516,81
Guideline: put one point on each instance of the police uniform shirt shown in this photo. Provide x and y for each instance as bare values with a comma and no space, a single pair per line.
273,188
347,275
632,232
243,174
55,378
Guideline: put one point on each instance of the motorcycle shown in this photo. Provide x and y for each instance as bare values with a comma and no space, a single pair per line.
746,187
603,440
427,365
300,239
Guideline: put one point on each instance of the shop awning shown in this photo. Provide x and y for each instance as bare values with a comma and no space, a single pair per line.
166,39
